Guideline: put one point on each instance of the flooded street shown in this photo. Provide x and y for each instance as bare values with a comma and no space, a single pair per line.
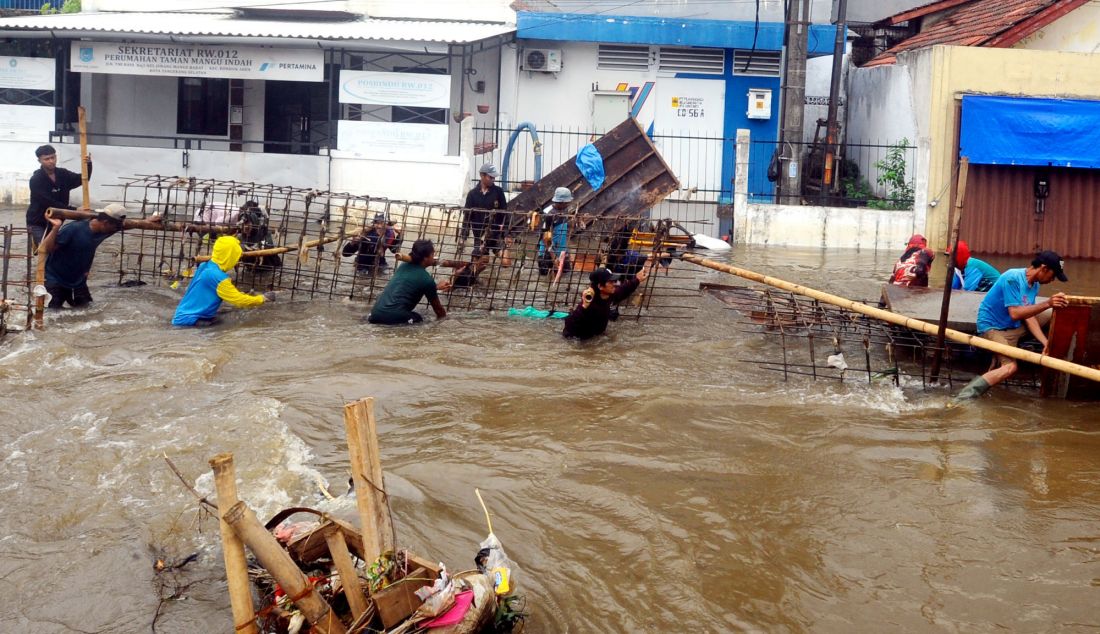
649,481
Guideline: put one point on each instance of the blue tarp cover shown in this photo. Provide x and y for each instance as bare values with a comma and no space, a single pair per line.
590,164
1030,131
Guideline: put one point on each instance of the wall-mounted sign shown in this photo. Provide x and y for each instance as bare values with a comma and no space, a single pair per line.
395,89
26,123
198,60
27,73
372,138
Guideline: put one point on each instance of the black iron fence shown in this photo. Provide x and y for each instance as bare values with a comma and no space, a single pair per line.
863,174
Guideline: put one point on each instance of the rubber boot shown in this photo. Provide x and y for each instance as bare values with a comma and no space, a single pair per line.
973,389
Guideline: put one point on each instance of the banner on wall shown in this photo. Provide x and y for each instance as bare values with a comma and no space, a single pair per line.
27,73
198,60
376,137
418,90
26,123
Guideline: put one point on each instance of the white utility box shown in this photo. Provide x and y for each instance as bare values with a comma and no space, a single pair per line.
760,103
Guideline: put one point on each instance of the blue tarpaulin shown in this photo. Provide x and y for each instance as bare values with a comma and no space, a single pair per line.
1030,131
590,163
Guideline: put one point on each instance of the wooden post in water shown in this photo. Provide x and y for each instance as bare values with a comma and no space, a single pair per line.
953,245
366,473
236,566
277,562
353,589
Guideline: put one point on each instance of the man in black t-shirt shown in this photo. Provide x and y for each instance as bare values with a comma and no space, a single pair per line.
50,186
486,212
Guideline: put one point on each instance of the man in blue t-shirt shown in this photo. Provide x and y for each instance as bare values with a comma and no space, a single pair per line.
1009,309
71,249
972,274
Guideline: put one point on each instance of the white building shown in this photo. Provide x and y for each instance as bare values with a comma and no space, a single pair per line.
344,96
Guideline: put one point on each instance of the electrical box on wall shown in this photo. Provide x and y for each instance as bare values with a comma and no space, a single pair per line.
545,60
609,109
760,103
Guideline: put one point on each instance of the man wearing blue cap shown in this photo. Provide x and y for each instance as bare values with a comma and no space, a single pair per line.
589,318
1009,310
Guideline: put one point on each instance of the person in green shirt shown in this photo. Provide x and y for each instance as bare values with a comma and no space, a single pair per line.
410,283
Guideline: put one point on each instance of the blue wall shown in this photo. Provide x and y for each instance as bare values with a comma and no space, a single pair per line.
586,27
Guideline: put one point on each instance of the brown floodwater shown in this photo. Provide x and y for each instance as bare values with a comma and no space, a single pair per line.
649,481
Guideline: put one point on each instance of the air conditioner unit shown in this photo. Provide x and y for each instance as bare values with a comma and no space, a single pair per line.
543,60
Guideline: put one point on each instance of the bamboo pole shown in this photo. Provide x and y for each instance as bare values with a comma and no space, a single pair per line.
277,562
82,124
366,472
236,566
1019,354
953,245
148,224
353,589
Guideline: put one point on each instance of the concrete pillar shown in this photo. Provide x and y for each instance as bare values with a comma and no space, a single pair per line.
741,188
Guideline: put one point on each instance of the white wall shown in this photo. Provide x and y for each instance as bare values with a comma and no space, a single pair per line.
1076,32
826,227
441,180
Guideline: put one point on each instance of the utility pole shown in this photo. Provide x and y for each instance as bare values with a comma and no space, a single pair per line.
797,21
832,136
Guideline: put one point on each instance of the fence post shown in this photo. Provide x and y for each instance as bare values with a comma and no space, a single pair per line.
740,229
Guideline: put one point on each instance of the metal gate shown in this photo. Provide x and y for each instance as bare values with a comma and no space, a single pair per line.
1005,212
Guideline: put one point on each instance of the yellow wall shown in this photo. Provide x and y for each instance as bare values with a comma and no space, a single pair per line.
958,70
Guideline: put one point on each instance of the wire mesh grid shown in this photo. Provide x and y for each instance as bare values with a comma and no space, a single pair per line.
822,341
316,245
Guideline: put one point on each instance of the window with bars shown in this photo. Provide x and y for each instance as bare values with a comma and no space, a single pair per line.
623,57
761,63
707,61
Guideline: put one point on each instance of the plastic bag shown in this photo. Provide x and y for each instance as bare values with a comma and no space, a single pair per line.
491,560
438,597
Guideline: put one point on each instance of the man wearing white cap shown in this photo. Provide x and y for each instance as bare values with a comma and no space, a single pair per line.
71,250
553,247
485,211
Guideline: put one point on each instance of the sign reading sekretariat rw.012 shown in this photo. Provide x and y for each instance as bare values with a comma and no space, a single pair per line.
395,89
27,73
198,60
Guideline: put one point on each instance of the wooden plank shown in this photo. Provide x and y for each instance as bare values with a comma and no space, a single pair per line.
398,601
341,558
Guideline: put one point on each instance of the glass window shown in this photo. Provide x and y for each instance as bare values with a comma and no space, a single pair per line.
203,106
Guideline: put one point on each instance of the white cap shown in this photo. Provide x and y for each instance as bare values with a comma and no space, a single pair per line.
562,195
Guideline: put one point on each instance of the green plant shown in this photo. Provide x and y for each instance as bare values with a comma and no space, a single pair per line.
69,6
856,190
891,175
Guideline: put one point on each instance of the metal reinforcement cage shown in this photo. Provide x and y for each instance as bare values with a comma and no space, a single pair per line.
309,244
16,279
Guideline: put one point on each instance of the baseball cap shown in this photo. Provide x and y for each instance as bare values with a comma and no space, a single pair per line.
1053,261
562,195
602,276
489,169
114,212
917,240
380,217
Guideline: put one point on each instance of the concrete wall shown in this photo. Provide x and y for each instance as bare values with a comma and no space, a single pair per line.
441,180
825,227
1017,72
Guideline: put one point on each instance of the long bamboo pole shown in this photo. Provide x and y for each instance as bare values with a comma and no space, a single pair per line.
148,224
1019,354
277,562
366,473
953,246
82,123
236,565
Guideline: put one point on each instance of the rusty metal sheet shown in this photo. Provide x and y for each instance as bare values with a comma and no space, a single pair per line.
1000,216
637,177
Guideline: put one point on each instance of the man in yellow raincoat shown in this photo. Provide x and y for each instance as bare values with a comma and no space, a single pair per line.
211,285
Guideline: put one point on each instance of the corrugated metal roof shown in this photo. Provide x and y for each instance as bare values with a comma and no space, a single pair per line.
227,25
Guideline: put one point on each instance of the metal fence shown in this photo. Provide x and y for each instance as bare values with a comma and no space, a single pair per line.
695,160
31,5
866,175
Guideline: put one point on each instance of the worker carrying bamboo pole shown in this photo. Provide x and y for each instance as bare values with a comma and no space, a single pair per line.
50,186
70,251
1009,310
212,285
